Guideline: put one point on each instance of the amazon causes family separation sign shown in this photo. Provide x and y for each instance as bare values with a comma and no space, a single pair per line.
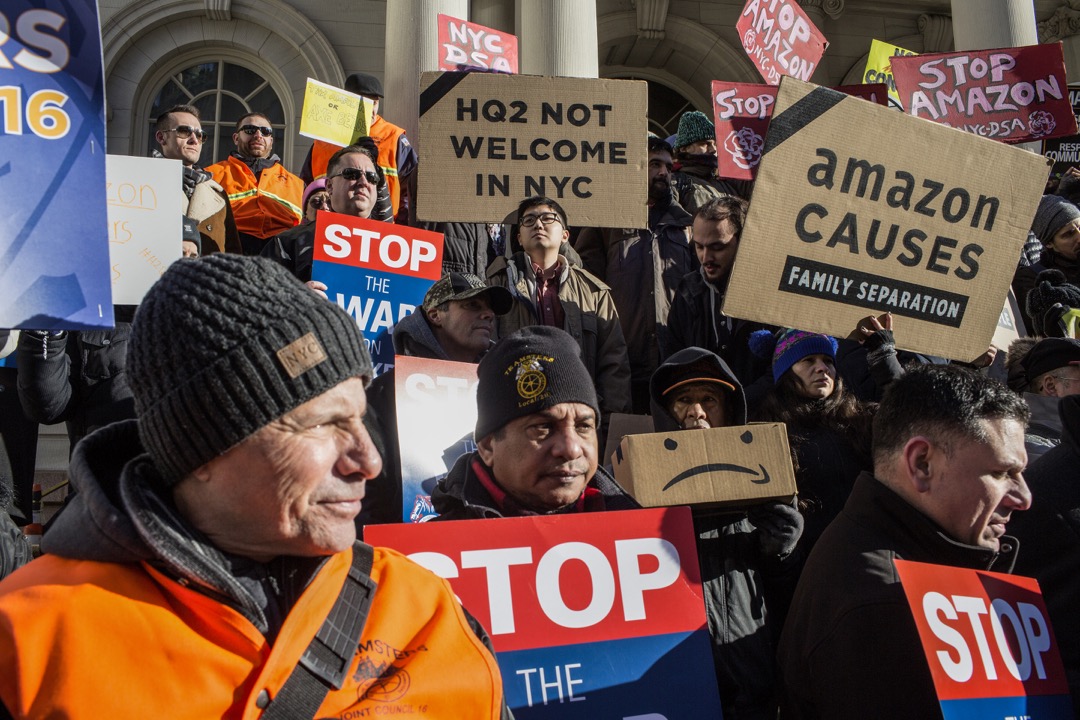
927,226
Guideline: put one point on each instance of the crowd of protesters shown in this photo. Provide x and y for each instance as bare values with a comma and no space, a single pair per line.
200,423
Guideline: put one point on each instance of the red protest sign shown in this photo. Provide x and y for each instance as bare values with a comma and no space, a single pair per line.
464,45
1012,94
780,39
988,641
741,113
378,246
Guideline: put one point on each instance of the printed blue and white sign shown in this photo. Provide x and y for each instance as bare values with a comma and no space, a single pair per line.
436,414
378,272
54,247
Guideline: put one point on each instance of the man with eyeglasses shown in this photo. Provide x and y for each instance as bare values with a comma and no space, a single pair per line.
551,290
352,182
180,136
1048,371
266,198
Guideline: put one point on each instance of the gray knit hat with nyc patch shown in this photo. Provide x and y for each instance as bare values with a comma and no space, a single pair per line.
222,346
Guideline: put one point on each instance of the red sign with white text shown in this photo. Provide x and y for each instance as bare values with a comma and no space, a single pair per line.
741,113
464,45
1012,95
780,39
559,580
988,640
378,246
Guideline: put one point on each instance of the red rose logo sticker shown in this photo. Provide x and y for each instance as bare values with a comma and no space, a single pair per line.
745,146
1041,123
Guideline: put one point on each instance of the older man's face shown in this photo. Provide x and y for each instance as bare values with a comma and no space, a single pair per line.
544,460
295,486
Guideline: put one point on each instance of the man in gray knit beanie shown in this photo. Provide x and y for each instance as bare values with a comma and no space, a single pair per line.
215,532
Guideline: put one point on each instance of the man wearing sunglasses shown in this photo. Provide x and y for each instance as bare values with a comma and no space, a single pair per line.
352,182
180,136
266,198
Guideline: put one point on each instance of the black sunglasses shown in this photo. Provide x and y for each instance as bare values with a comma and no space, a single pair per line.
354,174
260,129
185,131
319,201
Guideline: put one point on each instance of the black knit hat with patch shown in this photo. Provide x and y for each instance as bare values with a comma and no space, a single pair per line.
226,344
528,371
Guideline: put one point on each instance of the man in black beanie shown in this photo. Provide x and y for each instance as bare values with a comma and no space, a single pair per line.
536,436
214,534
1057,228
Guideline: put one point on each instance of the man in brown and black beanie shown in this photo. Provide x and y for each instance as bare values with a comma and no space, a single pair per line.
536,436
215,532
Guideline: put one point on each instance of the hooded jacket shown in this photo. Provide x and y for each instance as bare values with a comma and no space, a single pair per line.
133,613
738,579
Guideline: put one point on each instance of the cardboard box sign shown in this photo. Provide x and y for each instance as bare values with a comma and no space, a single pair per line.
860,210
720,466
491,140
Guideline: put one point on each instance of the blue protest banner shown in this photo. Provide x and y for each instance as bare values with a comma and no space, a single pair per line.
378,272
54,240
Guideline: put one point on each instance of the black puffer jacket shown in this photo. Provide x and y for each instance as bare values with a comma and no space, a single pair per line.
738,579
78,377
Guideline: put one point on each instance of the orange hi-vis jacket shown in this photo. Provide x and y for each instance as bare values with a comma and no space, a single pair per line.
263,208
386,135
90,639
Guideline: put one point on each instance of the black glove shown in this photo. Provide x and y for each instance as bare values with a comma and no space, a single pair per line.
779,526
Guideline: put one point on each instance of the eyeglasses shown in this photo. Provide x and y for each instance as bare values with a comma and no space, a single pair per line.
546,218
319,201
354,174
185,131
260,129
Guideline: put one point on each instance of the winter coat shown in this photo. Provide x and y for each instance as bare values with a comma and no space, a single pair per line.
643,268
461,496
209,206
466,246
850,648
1025,277
134,614
78,378
1049,534
294,249
697,184
696,320
591,319
1044,430
738,579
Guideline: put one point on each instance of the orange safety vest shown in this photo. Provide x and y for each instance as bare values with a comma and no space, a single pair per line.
264,208
386,136
86,639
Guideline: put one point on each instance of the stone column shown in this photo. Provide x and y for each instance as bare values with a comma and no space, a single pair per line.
558,37
412,39
497,14
985,24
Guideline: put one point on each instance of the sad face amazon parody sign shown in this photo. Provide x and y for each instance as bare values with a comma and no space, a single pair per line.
927,225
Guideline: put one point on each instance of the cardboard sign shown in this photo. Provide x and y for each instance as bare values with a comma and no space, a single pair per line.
332,115
988,640
144,222
464,45
492,140
436,414
879,67
1012,95
927,225
741,115
591,615
715,467
622,424
54,247
780,40
1065,151
377,272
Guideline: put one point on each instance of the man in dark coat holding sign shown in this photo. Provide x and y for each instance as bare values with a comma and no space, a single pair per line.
948,462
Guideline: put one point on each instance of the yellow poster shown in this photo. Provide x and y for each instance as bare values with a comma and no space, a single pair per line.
332,115
879,68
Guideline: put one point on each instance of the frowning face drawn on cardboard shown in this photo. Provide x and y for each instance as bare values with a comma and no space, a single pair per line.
759,476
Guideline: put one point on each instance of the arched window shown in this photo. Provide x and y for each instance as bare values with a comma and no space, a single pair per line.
224,92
